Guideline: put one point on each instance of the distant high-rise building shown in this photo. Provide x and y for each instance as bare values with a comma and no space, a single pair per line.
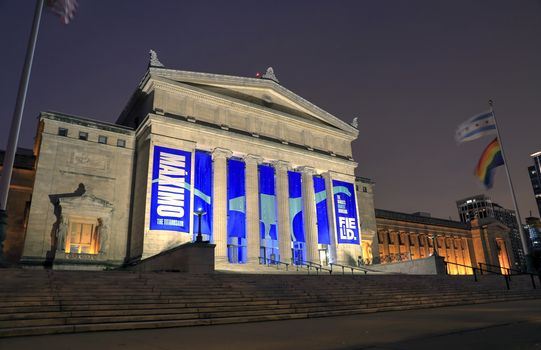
535,177
480,207
533,228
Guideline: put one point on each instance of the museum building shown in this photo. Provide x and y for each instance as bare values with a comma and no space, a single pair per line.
259,171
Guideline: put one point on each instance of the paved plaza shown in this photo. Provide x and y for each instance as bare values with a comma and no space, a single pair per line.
508,325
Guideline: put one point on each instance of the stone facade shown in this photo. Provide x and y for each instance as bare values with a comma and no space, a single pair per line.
365,201
91,204
404,237
82,182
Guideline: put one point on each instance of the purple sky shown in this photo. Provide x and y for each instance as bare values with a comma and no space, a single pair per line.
410,70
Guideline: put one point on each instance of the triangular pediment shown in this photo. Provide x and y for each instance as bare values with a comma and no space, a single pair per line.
260,92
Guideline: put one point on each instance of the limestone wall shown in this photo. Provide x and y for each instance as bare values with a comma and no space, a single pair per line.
63,164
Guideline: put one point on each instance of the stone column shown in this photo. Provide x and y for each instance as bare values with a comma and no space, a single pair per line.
309,208
407,244
219,205
386,251
282,199
416,249
397,246
252,208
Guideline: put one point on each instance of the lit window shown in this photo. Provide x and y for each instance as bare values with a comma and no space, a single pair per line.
121,143
82,237
102,139
83,135
62,132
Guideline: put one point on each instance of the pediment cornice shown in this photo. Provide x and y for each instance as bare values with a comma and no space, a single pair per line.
219,80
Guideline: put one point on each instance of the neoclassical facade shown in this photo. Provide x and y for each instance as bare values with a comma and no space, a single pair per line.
259,171
403,237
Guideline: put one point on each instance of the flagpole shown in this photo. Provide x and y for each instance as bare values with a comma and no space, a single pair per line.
523,238
11,149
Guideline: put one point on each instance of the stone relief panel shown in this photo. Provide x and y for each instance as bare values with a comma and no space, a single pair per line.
81,159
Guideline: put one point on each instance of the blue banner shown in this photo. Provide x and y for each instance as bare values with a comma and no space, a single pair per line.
236,199
170,192
203,194
267,203
323,236
345,208
296,218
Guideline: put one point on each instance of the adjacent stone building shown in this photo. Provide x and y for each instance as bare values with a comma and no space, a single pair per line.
20,195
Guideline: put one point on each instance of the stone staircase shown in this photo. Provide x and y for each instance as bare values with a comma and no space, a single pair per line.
45,302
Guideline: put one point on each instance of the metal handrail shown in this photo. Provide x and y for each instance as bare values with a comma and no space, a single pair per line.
474,269
316,266
506,278
349,267
269,261
531,274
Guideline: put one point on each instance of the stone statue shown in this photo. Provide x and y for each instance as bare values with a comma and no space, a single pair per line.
269,74
103,232
154,61
62,232
355,122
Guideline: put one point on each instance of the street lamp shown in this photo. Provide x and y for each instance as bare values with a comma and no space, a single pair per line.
199,212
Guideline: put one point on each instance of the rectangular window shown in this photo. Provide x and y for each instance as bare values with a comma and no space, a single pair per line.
365,189
121,143
83,135
82,238
62,132
102,139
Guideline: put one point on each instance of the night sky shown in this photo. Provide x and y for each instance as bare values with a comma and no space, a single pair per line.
410,70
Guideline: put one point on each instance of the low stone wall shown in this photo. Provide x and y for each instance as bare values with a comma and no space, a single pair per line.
432,265
193,257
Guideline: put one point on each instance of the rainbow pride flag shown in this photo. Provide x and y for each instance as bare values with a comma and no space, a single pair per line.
489,161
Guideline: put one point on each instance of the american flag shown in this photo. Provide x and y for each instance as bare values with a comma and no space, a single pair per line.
63,8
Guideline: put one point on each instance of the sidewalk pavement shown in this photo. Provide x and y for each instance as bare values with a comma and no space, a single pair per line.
508,325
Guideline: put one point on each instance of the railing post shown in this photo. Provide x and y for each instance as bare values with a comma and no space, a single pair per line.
506,281
474,274
481,268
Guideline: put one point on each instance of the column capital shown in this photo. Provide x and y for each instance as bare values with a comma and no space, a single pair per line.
282,165
253,158
307,170
219,152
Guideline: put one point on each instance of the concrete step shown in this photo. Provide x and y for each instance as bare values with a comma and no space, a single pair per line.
92,301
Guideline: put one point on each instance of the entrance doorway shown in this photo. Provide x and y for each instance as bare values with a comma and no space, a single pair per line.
324,255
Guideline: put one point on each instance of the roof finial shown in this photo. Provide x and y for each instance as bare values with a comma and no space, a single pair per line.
154,61
355,122
270,75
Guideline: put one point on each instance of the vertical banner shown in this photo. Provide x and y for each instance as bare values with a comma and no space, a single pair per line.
170,192
345,209
296,216
267,204
236,210
323,236
236,199
295,206
203,193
